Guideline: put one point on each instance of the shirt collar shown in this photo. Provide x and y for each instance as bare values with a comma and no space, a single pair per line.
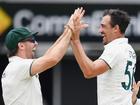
117,41
13,58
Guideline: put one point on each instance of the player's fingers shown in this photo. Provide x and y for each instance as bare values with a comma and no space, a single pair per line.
134,85
82,14
76,12
80,10
84,25
71,18
138,84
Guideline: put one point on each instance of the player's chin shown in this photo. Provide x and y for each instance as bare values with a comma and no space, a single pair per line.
104,42
33,54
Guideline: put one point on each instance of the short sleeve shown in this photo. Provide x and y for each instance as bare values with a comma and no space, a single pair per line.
110,56
22,68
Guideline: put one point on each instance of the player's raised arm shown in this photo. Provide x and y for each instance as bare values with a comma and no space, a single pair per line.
55,53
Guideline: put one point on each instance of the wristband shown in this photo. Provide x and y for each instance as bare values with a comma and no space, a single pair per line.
68,26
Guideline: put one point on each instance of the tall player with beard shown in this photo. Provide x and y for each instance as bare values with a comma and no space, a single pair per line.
115,67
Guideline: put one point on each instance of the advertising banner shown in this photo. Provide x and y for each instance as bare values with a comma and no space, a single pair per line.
49,19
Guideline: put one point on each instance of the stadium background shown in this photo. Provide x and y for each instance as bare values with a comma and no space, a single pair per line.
64,84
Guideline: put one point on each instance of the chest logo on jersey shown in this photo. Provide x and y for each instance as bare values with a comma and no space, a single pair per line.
132,55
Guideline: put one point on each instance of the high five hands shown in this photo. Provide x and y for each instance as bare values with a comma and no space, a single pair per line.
75,23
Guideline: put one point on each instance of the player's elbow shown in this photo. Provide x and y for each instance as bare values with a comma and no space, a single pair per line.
88,74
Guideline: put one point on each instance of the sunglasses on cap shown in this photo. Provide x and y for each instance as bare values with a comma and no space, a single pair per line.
31,39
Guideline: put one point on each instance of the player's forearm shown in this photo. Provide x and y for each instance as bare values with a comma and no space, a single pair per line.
134,98
53,56
59,39
60,48
84,62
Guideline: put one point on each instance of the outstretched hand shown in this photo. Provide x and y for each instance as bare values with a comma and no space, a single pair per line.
75,23
136,88
135,91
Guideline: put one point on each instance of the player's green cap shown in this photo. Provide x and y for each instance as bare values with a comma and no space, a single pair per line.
16,35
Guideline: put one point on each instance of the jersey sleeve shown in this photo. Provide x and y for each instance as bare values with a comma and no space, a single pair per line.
24,68
110,56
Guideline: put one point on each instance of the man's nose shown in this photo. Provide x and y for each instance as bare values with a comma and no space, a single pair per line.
100,30
36,43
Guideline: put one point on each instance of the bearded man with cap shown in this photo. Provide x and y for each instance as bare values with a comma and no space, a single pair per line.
20,83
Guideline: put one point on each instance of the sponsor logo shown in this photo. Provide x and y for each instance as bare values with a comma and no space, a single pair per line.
54,24
5,20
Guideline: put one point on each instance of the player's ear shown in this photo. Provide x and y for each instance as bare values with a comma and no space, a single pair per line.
116,28
138,84
20,45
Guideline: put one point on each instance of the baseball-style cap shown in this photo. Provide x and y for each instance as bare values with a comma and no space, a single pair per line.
16,35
